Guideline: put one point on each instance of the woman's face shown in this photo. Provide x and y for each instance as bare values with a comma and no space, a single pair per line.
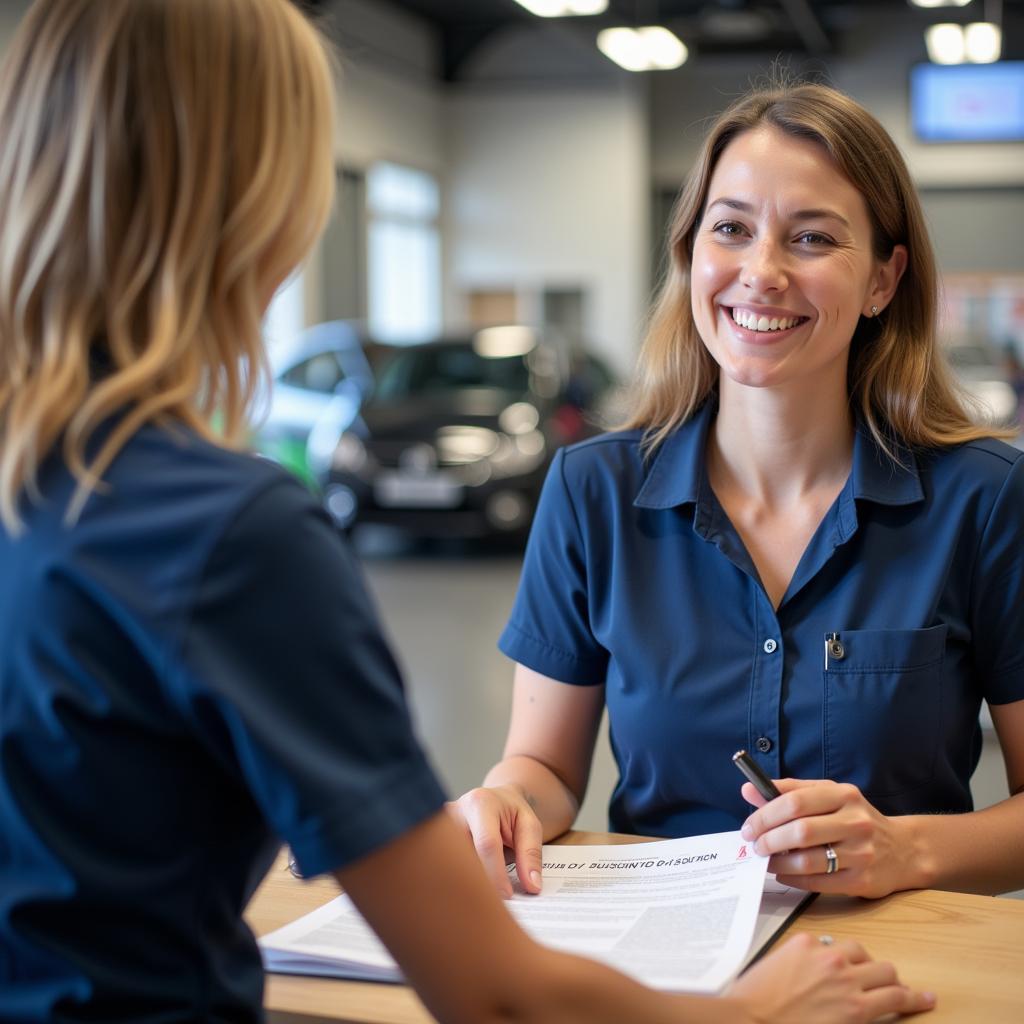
783,264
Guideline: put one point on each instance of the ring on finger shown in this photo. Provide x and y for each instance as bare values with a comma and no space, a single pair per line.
826,940
831,860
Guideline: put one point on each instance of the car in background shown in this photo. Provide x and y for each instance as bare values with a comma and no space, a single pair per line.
458,435
982,374
320,379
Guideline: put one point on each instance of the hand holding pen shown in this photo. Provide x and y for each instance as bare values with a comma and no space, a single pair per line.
825,836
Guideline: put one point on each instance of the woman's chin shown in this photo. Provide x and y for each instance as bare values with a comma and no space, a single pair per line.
759,374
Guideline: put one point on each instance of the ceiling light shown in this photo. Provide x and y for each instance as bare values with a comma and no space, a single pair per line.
563,8
977,43
983,42
502,342
651,48
939,3
945,43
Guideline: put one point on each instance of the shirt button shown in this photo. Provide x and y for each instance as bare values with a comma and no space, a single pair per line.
763,744
769,646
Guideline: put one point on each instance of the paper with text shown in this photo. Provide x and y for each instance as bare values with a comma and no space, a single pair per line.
676,914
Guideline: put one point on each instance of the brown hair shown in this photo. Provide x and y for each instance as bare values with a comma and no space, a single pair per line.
898,380
165,165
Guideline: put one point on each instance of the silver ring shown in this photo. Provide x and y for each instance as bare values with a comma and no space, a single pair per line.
826,940
831,860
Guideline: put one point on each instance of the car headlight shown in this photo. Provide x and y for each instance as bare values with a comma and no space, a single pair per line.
463,445
519,418
349,454
519,455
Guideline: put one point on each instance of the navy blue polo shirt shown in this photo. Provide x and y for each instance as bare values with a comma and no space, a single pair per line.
190,674
634,578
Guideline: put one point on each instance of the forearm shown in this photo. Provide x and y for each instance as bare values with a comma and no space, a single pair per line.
524,984
977,852
570,989
431,904
552,800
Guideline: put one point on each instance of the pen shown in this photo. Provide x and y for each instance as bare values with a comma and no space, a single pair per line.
755,775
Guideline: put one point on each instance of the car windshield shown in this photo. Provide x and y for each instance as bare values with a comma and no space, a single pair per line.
419,371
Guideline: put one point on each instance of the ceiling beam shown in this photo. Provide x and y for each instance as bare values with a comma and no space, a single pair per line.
810,30
458,43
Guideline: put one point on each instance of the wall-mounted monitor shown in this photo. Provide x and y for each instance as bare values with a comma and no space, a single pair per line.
968,102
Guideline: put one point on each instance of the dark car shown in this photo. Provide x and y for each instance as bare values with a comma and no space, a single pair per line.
458,434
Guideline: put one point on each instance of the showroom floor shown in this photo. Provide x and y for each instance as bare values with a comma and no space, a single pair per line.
443,608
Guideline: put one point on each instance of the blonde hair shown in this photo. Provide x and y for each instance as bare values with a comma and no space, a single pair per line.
165,165
897,379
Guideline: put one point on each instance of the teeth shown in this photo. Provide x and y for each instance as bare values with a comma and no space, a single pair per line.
753,322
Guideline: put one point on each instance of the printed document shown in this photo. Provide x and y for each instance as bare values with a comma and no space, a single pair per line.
678,914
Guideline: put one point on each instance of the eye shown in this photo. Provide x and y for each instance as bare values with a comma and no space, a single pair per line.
728,229
813,238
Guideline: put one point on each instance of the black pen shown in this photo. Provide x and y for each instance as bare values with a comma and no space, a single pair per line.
755,775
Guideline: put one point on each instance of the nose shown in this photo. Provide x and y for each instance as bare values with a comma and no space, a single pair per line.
764,268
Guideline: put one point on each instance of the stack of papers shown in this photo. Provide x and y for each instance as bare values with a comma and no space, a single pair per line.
680,915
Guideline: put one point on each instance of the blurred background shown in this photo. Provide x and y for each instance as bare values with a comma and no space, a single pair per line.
506,170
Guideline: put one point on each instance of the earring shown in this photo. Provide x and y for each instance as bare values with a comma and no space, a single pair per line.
874,311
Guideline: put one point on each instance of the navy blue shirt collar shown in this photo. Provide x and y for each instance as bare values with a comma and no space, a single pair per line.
677,472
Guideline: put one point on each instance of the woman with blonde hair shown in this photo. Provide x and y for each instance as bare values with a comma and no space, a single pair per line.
801,545
190,669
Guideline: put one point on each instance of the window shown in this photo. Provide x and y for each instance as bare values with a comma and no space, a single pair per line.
286,315
404,257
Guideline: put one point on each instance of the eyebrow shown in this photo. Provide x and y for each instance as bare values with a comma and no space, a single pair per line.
810,214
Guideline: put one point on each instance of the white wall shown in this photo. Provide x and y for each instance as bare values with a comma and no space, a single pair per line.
549,180
550,187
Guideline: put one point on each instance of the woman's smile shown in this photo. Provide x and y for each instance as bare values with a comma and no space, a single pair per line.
761,325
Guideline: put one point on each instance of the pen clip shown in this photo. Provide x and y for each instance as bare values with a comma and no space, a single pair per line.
830,638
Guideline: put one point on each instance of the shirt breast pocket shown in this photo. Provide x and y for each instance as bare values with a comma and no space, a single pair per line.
883,708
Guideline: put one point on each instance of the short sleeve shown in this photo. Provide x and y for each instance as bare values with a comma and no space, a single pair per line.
288,681
549,629
998,594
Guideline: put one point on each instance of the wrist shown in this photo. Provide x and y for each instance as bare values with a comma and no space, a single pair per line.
737,1010
920,866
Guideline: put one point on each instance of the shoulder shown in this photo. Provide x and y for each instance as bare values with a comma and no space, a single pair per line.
165,464
988,452
606,456
191,457
171,493
988,464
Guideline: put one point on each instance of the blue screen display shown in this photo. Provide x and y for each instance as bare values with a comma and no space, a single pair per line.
968,102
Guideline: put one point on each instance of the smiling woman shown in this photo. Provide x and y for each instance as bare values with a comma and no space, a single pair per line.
801,544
